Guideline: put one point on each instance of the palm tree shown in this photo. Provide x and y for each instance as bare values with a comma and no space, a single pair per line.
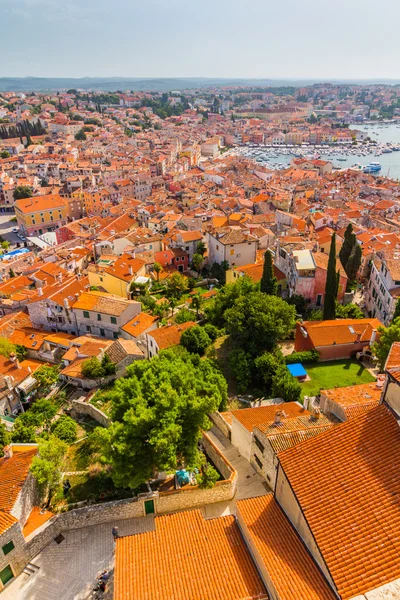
196,303
157,269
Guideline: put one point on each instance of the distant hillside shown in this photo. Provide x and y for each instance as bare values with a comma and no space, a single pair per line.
37,84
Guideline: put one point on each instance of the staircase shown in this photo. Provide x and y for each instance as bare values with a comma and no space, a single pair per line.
30,569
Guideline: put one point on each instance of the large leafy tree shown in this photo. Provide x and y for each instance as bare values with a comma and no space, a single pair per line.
158,412
22,191
257,321
269,283
396,313
387,335
195,340
197,261
176,286
285,386
227,297
331,286
47,466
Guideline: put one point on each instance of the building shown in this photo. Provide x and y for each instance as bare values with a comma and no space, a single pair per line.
116,276
103,314
187,556
165,337
351,401
39,214
17,499
255,273
232,245
334,340
391,391
383,289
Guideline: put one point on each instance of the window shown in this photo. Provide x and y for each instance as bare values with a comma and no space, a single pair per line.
115,335
98,317
88,329
6,575
259,445
102,333
8,547
258,461
113,320
217,247
86,314
232,253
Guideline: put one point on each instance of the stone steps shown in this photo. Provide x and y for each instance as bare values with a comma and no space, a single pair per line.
30,569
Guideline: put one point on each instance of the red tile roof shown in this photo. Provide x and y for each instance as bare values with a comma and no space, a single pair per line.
13,474
292,571
341,331
186,558
347,484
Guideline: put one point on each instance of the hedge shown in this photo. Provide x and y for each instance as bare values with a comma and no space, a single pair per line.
306,357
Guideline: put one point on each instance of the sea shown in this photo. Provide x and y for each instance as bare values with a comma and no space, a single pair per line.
381,133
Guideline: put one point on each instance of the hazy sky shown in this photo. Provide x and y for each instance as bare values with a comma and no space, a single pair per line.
211,38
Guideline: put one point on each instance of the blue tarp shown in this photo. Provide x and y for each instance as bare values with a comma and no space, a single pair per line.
297,370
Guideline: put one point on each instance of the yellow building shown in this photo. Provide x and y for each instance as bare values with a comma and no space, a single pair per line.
39,214
115,276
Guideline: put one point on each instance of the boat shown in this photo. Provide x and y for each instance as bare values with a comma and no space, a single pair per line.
373,167
341,158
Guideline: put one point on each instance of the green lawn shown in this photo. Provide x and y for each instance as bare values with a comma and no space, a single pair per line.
337,373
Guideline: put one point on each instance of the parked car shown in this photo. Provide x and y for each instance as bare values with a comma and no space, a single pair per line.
15,230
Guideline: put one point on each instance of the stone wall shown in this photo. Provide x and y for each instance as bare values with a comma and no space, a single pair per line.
222,425
17,558
84,408
219,460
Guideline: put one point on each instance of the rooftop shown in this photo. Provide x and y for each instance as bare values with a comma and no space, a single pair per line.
187,558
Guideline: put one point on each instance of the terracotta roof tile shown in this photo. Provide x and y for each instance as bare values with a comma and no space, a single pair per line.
293,573
13,474
347,483
169,336
341,331
186,558
254,417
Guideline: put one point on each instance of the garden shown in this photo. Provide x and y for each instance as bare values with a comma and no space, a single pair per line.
337,373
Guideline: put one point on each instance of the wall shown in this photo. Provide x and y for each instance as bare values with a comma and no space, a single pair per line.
222,425
241,438
391,395
17,558
268,458
84,408
289,504
327,405
27,498
339,351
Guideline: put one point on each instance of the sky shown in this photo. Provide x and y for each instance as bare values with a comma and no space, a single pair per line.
297,39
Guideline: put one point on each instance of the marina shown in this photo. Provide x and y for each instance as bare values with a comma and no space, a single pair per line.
383,149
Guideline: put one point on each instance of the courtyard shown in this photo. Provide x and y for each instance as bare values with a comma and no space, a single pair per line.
337,373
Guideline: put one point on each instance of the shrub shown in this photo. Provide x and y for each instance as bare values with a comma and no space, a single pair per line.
305,357
195,340
285,386
65,429
184,316
208,477
240,363
211,331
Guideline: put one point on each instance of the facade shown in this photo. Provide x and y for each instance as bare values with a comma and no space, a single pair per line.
102,314
232,245
383,289
39,214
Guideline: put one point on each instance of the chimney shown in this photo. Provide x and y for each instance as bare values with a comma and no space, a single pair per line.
7,379
40,291
130,270
13,357
316,413
60,278
373,336
66,303
8,451
17,363
278,416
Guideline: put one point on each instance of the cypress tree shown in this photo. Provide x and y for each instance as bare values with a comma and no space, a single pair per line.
354,262
269,283
331,286
348,246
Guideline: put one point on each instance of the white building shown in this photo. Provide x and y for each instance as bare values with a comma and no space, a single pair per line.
383,289
233,245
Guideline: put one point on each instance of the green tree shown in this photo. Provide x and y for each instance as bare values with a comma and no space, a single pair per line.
176,286
5,244
195,340
240,364
267,366
396,313
285,386
211,331
23,433
347,246
387,335
44,410
257,321
158,413
183,316
6,347
227,297
299,302
5,438
92,368
208,477
197,261
201,248
269,283
331,283
354,262
11,272
5,154
47,466
81,136
21,192
65,429
157,269
196,304
46,375
316,315
349,311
